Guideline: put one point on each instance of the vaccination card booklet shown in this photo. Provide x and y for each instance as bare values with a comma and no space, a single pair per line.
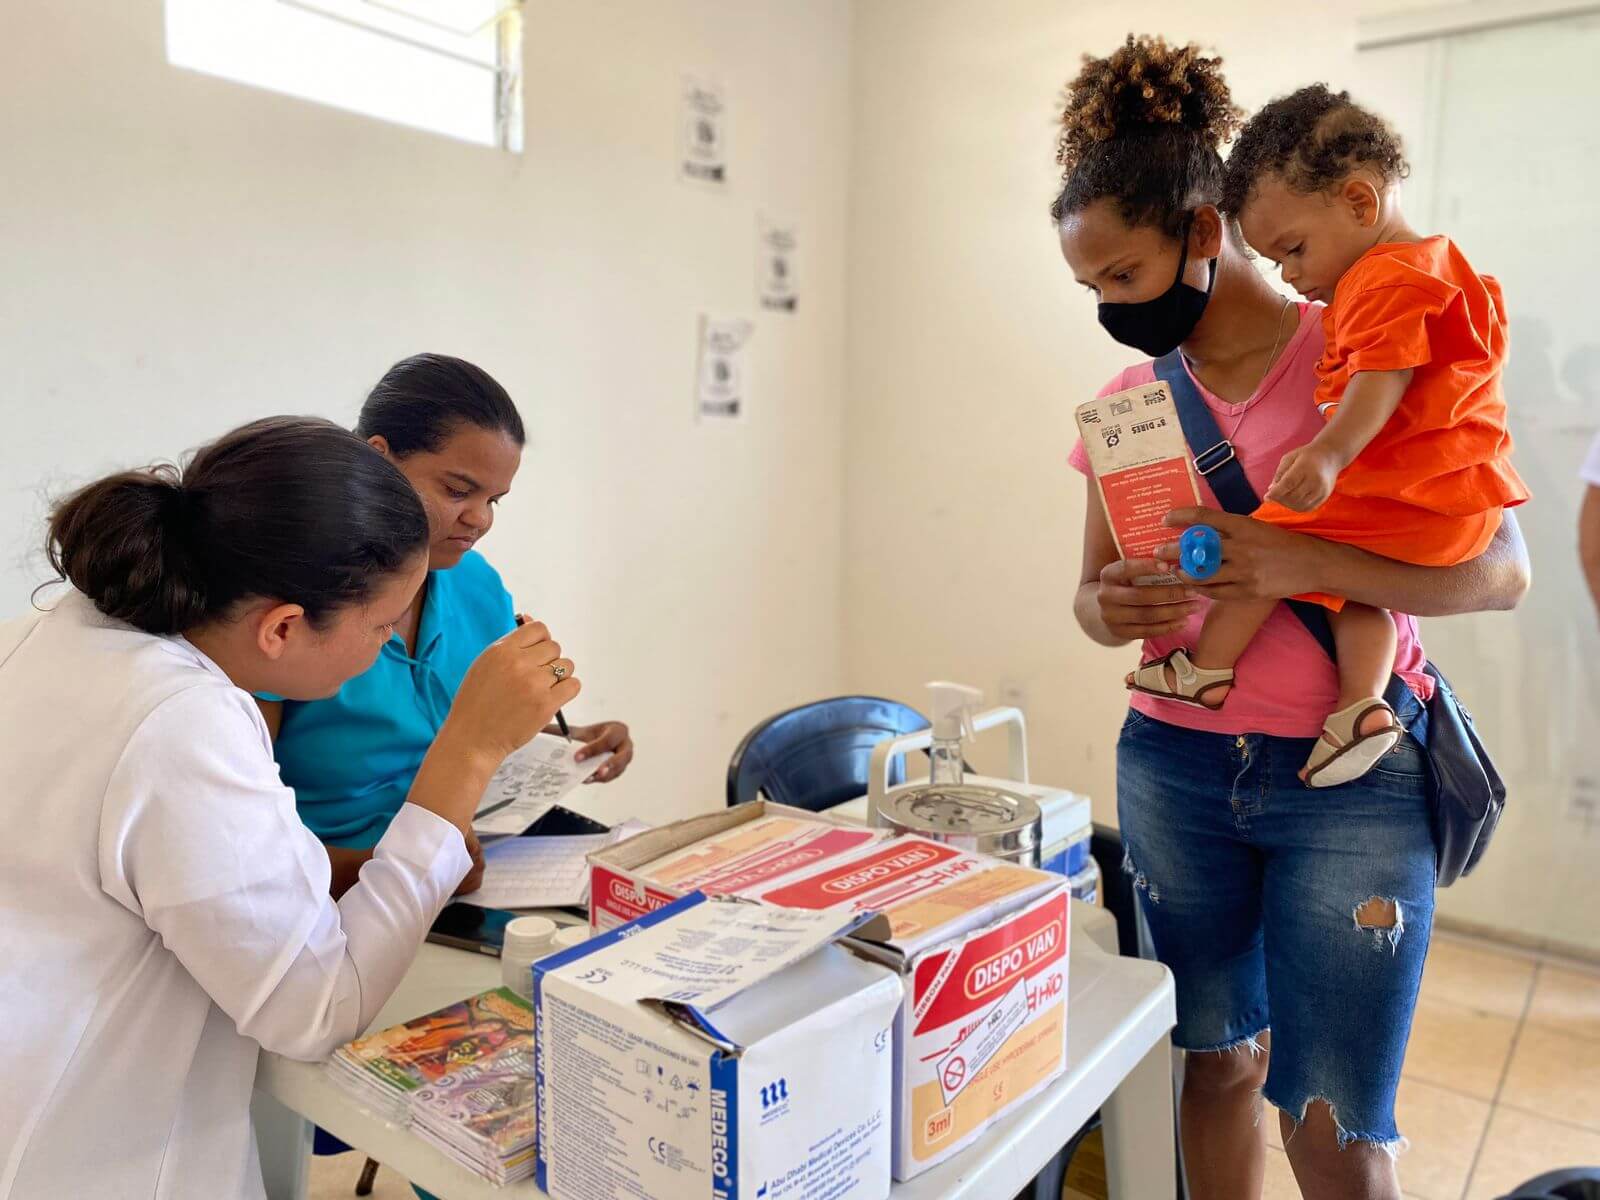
1141,465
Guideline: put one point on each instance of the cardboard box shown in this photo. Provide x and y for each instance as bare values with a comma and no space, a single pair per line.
719,1049
981,946
728,852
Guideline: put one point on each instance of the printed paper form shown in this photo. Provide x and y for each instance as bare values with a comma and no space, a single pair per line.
542,872
708,953
530,782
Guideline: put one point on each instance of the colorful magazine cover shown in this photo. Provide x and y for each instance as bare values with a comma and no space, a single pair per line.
492,1110
423,1050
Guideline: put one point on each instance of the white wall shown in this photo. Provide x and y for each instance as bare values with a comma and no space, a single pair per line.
970,344
182,254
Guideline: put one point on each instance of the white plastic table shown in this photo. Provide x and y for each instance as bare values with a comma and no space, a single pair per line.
1120,1012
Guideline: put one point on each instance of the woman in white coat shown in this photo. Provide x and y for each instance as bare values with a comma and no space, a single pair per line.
165,912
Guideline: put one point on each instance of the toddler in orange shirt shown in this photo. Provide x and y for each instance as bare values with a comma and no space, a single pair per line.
1415,461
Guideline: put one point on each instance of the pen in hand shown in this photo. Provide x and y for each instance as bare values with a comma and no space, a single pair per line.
561,717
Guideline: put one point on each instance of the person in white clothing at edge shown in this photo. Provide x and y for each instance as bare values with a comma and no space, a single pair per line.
166,913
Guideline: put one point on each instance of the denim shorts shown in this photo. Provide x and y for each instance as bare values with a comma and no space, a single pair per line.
1253,886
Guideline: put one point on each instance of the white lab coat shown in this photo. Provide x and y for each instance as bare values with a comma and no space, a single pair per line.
165,914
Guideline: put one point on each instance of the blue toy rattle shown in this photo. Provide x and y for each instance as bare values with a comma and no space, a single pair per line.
1200,551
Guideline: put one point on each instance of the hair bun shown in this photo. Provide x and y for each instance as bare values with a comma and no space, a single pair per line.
1146,86
293,510
124,542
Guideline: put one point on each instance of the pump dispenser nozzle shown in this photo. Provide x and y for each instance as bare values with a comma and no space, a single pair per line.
953,706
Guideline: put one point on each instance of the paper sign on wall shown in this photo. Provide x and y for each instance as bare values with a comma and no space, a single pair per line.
704,128
776,289
719,382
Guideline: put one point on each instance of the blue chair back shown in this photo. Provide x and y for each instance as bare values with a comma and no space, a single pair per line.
819,755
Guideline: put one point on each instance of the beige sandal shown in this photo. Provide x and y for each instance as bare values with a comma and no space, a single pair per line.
1341,754
1193,683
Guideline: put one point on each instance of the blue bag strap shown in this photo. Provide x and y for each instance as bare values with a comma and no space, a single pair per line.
1214,459
1216,462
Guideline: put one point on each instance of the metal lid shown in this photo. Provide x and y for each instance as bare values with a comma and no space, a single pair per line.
989,819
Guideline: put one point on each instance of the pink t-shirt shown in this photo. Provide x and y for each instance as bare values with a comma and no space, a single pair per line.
1286,685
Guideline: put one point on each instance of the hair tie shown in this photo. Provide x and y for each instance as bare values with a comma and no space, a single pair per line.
177,508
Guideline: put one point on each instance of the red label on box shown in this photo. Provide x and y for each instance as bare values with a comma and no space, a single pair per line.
1138,500
990,964
623,897
862,875
827,845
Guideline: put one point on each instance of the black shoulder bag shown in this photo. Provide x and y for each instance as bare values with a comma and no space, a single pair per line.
1466,791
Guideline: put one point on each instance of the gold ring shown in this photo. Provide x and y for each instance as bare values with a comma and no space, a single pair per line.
558,671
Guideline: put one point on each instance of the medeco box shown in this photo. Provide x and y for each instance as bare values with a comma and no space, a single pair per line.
716,1049
981,947
730,852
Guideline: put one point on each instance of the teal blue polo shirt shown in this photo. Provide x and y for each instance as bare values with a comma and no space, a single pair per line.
351,758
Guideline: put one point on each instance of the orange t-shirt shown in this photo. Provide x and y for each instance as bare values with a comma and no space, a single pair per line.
1430,487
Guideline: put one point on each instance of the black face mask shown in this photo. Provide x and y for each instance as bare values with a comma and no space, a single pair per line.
1158,327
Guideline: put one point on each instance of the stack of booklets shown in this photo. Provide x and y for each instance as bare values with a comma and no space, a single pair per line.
385,1070
484,1119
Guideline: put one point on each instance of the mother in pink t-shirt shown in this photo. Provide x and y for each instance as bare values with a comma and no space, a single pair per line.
1295,921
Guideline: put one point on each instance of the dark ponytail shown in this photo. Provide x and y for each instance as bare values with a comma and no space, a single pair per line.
1144,127
292,509
421,401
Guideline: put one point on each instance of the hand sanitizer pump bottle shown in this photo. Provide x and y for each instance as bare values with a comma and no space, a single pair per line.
953,706
987,820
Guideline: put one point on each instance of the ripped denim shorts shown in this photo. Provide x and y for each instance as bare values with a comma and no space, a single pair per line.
1281,907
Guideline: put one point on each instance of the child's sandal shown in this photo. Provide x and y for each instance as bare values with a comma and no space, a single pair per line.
1194,683
1342,754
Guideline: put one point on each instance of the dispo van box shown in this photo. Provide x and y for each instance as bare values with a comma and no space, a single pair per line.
720,1049
980,944
981,947
730,852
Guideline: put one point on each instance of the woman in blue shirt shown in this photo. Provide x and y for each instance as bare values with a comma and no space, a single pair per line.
455,434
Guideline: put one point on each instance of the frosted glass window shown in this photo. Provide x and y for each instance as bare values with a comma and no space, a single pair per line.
447,66
1500,128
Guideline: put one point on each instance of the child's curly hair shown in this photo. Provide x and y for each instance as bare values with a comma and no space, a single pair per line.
1312,138
1144,127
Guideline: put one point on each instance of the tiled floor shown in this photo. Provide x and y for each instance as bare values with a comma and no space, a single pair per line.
1502,1077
